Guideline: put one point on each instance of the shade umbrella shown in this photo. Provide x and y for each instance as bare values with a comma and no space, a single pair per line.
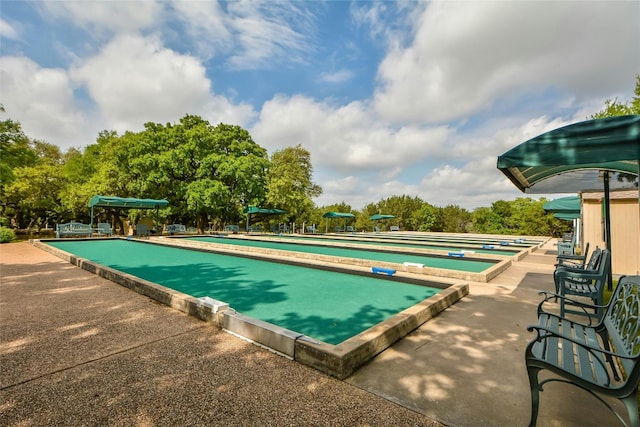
570,204
582,156
566,209
344,215
379,217
249,210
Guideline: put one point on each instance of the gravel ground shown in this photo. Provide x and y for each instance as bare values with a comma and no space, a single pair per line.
76,349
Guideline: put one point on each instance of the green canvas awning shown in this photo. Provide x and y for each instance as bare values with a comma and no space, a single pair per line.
566,216
580,151
126,202
338,215
264,211
589,155
329,215
570,204
252,210
378,217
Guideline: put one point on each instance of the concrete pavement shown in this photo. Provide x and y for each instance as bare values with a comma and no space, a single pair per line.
76,349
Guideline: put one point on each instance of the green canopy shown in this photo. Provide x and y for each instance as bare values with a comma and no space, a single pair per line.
570,204
338,215
265,211
582,156
126,202
582,149
378,217
249,210
566,216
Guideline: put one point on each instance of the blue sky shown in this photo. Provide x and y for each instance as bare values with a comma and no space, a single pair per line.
390,98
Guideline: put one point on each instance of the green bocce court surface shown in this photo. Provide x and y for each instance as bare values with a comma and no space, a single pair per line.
444,262
406,245
325,305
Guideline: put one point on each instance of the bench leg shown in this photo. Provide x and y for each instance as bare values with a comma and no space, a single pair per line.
631,403
535,394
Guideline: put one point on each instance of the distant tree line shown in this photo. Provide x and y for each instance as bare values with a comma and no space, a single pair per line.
209,174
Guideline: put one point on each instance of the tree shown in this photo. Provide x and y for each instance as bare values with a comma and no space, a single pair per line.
34,192
453,219
205,172
290,183
403,208
16,150
425,218
614,107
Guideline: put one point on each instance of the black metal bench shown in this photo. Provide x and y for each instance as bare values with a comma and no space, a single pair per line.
588,282
591,356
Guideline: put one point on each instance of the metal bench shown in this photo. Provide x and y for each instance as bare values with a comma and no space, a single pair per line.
587,282
73,229
394,228
589,356
231,228
176,228
104,228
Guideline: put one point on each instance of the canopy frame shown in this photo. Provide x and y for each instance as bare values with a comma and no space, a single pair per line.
249,210
98,201
606,145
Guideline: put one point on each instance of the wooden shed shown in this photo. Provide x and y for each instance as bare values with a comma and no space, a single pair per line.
625,228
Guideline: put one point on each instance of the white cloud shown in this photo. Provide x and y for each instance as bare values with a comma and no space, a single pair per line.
8,31
269,33
468,56
344,138
207,24
105,17
134,80
336,77
42,100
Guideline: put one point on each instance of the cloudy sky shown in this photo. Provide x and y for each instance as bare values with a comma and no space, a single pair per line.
390,98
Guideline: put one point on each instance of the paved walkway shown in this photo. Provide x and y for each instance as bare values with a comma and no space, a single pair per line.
76,349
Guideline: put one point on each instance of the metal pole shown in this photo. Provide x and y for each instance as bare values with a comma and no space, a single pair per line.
607,227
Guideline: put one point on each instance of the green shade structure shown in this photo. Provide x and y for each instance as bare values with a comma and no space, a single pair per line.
328,215
124,203
338,215
378,217
582,156
266,211
250,210
566,216
570,204
581,150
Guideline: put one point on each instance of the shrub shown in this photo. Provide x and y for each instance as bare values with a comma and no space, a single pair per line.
6,235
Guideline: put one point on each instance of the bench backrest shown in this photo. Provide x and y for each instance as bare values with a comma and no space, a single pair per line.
104,227
594,261
622,321
73,226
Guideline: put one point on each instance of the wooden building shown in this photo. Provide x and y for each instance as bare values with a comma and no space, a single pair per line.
625,228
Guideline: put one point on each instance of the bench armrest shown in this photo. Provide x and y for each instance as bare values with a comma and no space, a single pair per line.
582,305
569,270
548,333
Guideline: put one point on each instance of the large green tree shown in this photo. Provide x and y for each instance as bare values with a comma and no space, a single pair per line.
290,183
207,172
33,193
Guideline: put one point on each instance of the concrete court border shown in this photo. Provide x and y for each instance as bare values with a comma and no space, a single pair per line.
348,263
339,360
